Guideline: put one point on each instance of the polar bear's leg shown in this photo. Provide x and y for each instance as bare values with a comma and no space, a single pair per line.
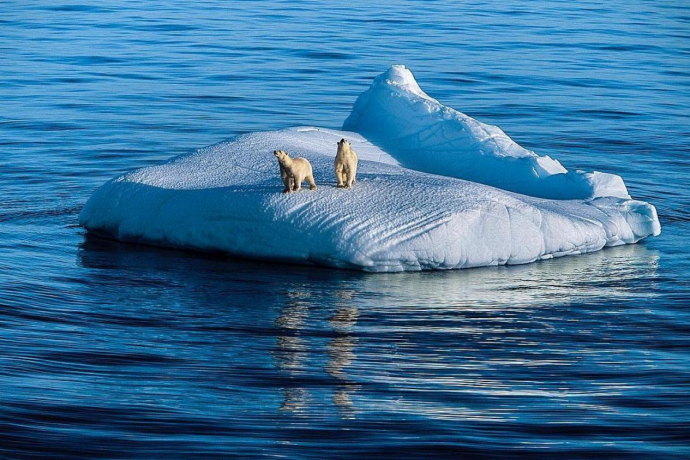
298,182
312,184
351,172
285,177
340,175
287,180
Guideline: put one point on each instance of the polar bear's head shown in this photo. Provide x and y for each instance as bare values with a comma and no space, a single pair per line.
344,145
281,155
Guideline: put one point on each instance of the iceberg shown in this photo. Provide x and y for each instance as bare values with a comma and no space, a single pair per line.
427,136
435,189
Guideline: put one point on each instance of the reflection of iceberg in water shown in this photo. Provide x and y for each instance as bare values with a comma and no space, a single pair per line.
330,325
608,273
604,274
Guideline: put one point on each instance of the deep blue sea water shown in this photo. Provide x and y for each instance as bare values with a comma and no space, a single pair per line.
110,350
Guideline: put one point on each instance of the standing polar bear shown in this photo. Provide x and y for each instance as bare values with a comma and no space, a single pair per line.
345,164
294,171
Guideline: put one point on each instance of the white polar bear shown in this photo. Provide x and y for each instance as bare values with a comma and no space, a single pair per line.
345,164
294,171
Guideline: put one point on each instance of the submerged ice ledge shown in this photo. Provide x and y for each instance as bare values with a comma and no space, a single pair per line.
227,197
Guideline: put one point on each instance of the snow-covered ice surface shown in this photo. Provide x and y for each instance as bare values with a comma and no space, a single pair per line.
228,198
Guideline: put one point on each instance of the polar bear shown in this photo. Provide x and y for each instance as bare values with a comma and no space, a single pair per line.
345,164
296,171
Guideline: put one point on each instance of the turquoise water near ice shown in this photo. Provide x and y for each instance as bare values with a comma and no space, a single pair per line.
110,350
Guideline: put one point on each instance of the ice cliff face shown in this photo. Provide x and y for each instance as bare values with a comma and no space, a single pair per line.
411,208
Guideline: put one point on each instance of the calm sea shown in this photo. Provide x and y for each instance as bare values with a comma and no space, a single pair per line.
111,350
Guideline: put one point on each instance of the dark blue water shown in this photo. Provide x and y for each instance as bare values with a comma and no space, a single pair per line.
118,351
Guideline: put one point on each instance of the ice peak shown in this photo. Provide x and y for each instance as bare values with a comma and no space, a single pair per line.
400,77
425,135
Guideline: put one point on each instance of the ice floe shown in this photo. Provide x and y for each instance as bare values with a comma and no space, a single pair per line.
435,189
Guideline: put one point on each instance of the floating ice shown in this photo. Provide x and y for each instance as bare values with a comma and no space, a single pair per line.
227,197
427,136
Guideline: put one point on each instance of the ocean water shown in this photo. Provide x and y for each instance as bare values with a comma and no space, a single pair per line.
110,350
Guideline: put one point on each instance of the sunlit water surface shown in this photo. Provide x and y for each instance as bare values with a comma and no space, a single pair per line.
118,351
